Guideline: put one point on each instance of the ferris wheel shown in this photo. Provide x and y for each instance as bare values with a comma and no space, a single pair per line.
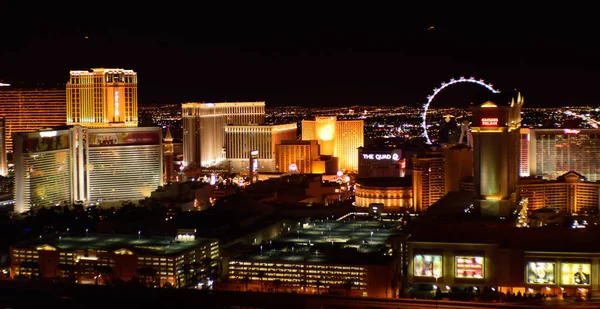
443,86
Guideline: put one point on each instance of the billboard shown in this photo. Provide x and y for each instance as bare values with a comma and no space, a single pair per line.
427,265
575,273
123,139
46,142
541,273
471,267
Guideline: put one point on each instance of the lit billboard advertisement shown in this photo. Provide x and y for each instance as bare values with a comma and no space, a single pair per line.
541,273
45,141
426,265
123,139
471,267
575,273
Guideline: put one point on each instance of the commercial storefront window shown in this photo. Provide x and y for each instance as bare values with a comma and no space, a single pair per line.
426,265
541,273
575,273
469,267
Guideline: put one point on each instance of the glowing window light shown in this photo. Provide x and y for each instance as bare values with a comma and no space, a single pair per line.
116,103
443,86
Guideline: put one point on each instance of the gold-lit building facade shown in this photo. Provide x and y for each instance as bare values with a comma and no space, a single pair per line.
569,194
240,140
338,138
123,164
496,156
91,259
102,98
27,110
204,129
3,162
428,180
293,156
395,193
46,168
550,153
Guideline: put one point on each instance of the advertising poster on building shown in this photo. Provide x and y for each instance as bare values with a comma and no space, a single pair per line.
426,265
469,267
123,139
48,142
575,273
541,273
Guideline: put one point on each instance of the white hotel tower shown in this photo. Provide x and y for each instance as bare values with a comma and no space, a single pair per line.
204,129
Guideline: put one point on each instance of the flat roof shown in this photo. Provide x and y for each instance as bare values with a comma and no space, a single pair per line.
385,181
329,241
111,242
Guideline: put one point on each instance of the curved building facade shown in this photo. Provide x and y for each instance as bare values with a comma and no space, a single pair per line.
393,192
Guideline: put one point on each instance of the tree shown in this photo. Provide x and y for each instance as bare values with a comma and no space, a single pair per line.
303,284
246,281
261,276
348,284
147,275
277,284
105,272
319,284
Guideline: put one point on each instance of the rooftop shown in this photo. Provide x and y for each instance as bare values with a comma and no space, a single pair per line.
330,241
386,181
110,242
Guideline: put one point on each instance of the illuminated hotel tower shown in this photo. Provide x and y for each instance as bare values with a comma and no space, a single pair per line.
102,98
204,129
168,156
241,140
3,165
496,145
26,110
338,138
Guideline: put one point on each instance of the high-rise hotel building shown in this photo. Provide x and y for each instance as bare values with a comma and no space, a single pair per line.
102,98
429,184
240,140
26,110
550,153
3,163
338,138
204,129
102,165
496,151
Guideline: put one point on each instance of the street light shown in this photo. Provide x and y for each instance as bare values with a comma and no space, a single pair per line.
261,250
68,232
139,234
86,232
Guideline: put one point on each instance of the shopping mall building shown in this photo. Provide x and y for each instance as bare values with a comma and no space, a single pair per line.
511,260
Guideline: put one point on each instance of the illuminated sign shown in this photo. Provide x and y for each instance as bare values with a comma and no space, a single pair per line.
293,167
489,122
254,153
571,131
209,105
469,267
381,156
116,103
4,85
541,273
48,133
426,265
125,138
575,273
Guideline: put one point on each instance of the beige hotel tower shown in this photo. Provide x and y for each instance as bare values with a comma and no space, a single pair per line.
102,98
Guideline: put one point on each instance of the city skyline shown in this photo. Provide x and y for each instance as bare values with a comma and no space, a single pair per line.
327,62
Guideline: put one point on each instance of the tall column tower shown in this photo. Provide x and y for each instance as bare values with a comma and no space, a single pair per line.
168,156
496,145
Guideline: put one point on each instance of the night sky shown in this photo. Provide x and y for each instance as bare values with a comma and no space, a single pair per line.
329,59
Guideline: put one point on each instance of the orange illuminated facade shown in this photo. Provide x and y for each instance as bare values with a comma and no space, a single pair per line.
337,138
27,110
99,259
294,156
569,194
3,163
429,180
102,98
393,192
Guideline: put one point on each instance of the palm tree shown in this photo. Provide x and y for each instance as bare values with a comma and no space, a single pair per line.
246,281
348,284
319,284
261,275
277,284
303,284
